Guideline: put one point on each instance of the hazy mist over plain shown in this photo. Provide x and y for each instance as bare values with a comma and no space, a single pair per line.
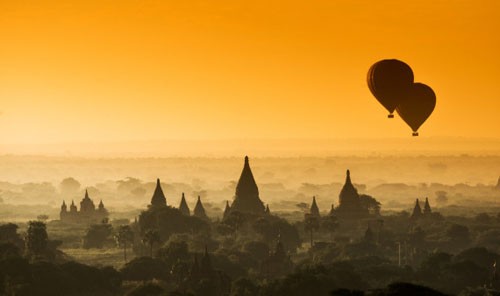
288,172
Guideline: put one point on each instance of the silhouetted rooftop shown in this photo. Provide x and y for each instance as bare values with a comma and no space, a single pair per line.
158,198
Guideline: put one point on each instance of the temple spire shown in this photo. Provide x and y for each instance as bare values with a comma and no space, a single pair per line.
247,193
183,207
349,198
417,211
199,210
158,199
226,210
72,207
314,208
427,207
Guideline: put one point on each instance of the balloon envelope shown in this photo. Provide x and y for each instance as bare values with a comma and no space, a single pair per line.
417,106
389,81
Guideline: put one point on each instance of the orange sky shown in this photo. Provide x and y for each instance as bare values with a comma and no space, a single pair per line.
100,70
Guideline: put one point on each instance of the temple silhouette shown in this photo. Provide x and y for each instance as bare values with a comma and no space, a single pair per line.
418,212
246,198
158,201
349,201
87,213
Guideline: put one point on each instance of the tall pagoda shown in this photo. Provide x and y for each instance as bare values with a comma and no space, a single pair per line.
349,202
246,198
183,206
314,211
417,210
158,199
199,210
427,207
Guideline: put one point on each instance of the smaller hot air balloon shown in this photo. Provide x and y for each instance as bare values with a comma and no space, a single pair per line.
417,106
389,81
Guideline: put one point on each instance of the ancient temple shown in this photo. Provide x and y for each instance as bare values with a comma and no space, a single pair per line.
314,211
419,213
183,207
427,207
417,210
158,200
87,214
199,210
349,201
246,198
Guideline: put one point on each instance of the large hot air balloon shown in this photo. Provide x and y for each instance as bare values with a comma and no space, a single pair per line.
417,106
389,81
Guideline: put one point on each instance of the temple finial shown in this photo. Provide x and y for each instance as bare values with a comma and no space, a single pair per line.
348,176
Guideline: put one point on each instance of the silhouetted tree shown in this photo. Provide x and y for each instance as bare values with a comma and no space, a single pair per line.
370,204
124,237
235,219
42,218
36,239
330,224
311,224
150,238
173,252
459,235
144,269
97,235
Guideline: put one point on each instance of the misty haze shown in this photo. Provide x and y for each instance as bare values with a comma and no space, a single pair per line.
249,148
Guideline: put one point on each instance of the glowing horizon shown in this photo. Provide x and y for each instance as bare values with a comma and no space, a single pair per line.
106,71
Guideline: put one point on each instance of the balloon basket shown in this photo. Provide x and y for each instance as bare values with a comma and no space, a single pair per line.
390,116
415,134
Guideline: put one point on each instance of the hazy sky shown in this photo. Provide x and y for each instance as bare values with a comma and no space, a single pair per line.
105,70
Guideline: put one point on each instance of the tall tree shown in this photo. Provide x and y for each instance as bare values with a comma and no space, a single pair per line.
150,238
124,237
36,239
330,223
311,224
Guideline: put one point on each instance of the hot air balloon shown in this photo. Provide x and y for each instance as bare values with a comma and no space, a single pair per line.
417,106
389,81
